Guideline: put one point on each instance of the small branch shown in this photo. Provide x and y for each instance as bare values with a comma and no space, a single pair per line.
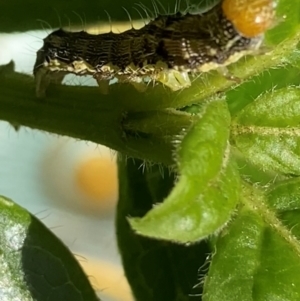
84,113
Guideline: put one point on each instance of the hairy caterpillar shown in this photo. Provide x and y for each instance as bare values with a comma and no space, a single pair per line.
166,50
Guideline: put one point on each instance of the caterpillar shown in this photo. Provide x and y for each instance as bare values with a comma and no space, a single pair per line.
167,49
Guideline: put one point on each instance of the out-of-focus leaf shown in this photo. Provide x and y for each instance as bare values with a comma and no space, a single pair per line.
208,186
34,264
287,22
267,131
256,257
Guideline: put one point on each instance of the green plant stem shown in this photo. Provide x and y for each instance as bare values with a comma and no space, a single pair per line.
84,113
133,123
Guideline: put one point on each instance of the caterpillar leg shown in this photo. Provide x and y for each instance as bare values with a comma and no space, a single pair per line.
43,77
137,82
140,87
229,76
103,85
174,79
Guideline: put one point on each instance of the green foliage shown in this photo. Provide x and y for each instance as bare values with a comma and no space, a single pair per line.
257,254
34,264
229,173
267,133
156,270
207,190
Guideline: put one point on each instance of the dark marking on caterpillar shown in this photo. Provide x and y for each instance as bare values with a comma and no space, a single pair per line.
165,50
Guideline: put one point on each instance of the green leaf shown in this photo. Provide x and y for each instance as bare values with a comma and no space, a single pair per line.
208,186
267,131
256,257
34,264
284,197
156,270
